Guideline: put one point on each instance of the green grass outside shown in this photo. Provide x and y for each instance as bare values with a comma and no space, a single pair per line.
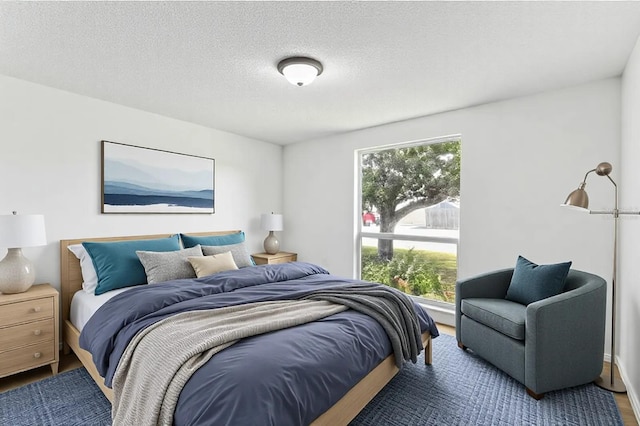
444,267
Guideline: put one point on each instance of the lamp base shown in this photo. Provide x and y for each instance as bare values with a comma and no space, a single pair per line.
271,244
16,272
605,383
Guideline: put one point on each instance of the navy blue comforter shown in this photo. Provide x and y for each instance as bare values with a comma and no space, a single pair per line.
287,377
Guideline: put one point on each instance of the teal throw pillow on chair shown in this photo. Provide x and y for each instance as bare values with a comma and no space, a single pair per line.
531,282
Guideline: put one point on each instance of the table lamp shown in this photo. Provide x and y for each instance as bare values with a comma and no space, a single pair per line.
17,273
271,222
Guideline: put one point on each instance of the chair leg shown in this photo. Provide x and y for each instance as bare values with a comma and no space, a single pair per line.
461,346
536,396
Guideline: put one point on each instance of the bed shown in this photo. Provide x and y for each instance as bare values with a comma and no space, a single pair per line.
340,413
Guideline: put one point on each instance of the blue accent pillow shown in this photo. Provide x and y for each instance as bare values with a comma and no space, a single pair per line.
117,264
213,240
531,282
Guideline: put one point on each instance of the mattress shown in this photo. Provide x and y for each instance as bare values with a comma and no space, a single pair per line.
84,305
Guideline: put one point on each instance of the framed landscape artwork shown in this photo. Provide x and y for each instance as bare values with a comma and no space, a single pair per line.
144,180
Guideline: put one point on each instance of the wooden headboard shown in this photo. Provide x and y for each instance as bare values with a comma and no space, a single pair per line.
71,275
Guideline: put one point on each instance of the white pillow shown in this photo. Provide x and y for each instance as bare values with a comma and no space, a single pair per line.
89,276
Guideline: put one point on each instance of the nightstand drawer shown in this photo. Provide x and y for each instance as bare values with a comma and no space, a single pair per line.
30,310
26,358
26,334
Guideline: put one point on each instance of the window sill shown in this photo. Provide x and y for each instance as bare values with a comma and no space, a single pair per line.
439,313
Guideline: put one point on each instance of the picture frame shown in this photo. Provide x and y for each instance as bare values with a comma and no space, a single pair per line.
139,180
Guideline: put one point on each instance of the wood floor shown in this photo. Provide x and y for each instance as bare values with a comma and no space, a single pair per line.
70,362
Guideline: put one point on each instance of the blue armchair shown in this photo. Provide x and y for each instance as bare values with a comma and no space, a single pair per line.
547,345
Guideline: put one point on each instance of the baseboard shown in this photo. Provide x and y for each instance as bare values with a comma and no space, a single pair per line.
631,392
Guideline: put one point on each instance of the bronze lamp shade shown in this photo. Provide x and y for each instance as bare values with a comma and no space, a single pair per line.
578,199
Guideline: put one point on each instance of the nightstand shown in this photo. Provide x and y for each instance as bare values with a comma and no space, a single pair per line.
270,259
29,330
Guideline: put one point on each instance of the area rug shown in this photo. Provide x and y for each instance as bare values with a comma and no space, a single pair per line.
458,389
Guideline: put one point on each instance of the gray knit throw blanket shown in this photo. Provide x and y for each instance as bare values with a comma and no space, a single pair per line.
392,309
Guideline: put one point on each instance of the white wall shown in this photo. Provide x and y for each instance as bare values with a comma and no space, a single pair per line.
629,283
50,164
520,159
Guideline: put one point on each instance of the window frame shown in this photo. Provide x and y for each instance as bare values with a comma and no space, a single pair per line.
444,310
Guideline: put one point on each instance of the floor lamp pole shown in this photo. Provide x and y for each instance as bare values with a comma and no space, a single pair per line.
610,383
580,200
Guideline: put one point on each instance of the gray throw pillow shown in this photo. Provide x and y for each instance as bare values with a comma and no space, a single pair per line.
239,252
168,265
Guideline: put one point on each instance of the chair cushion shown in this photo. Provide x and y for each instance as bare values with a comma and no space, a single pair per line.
531,282
502,315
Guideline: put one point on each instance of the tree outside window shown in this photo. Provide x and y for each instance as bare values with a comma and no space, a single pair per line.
395,183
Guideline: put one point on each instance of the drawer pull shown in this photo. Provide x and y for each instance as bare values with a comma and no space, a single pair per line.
37,309
37,332
37,355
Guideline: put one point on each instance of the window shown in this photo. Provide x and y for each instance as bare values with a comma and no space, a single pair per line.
410,215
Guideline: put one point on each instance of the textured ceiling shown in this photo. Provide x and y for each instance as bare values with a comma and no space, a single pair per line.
214,63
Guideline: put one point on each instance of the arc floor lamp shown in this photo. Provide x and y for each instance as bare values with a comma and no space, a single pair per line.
579,199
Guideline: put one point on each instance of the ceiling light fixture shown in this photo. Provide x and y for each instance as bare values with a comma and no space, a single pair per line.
300,71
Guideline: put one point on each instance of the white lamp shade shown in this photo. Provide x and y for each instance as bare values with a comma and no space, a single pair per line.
22,230
271,222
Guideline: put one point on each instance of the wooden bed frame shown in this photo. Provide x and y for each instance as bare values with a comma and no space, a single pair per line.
341,413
